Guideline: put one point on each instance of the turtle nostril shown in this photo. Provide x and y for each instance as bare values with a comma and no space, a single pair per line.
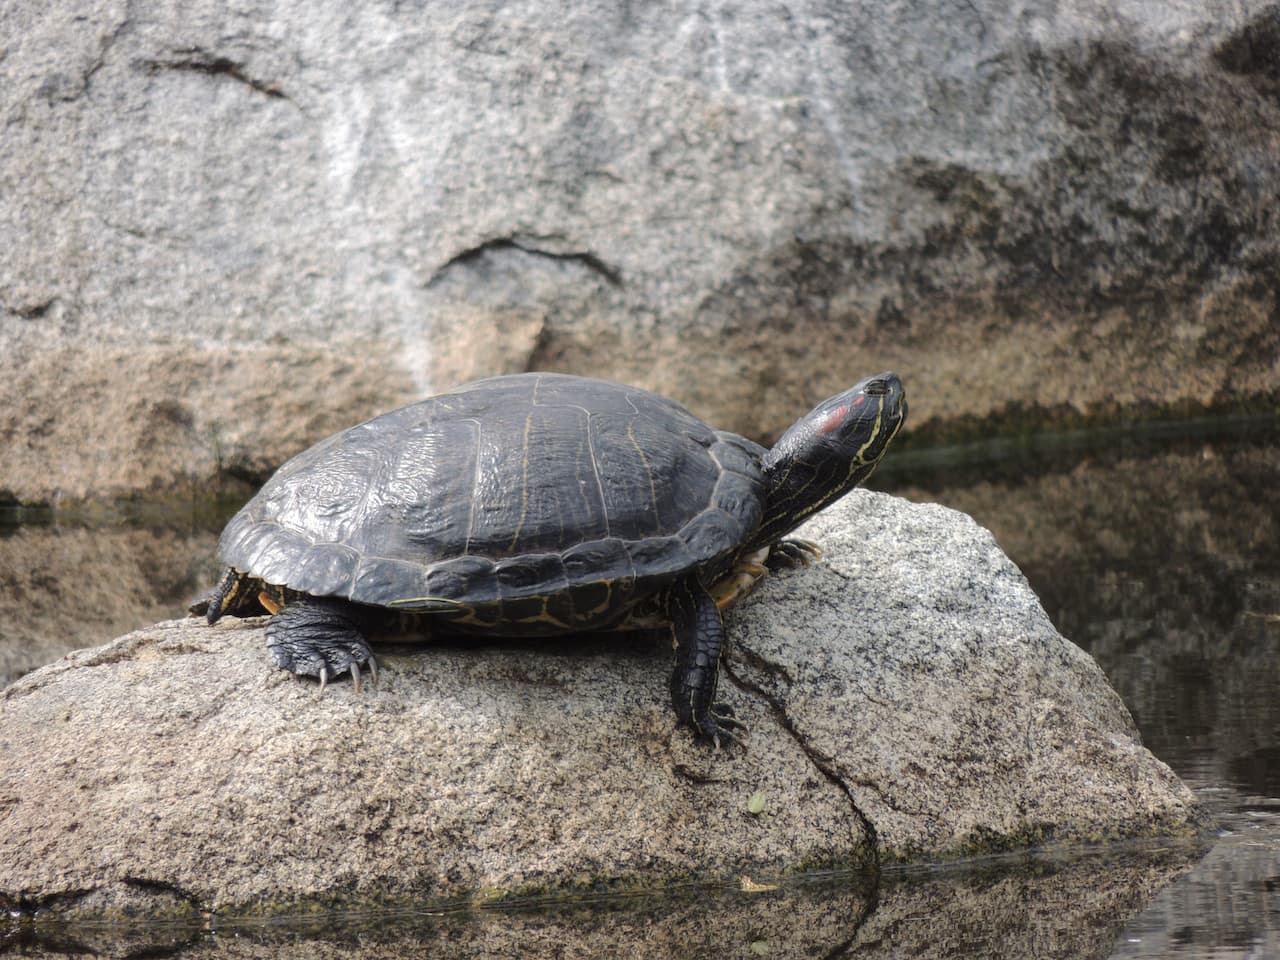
876,388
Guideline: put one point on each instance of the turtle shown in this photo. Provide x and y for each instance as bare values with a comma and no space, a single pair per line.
539,504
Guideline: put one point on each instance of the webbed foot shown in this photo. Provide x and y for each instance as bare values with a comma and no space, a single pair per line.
320,638
741,580
753,567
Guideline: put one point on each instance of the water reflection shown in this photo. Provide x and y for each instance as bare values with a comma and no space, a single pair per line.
1227,907
1012,907
77,583
1164,562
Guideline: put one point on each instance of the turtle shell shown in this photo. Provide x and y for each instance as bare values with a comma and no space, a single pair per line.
534,503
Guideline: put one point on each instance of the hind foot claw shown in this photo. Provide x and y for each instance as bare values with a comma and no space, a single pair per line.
320,638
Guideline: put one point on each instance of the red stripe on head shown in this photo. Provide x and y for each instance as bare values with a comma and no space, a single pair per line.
833,419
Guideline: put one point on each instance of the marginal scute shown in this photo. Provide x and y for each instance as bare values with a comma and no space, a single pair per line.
394,581
599,560
659,553
466,577
329,567
537,573
263,549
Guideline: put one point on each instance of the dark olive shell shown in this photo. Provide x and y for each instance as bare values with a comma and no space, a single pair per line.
536,502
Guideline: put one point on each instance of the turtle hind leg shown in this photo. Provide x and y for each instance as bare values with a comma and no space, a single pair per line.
320,638
236,594
699,641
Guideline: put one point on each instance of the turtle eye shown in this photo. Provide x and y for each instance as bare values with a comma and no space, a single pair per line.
876,388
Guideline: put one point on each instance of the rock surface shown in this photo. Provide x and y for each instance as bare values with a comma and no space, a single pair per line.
907,698
281,218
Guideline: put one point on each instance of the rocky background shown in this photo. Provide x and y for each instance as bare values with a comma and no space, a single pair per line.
228,231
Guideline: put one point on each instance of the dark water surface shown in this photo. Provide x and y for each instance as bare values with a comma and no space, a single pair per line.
1159,552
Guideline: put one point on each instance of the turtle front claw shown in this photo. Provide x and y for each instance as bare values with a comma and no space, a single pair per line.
793,552
718,726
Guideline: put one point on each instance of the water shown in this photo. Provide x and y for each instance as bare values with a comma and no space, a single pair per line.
1159,552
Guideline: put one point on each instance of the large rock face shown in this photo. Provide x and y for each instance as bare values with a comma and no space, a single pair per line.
280,218
907,697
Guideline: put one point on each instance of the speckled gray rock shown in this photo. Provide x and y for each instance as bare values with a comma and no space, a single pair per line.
907,697
919,666
283,217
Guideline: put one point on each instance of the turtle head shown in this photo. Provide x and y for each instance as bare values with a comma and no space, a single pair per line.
829,451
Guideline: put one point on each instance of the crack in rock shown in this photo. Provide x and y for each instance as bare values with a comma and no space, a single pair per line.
693,776
34,311
823,763
59,88
198,60
611,274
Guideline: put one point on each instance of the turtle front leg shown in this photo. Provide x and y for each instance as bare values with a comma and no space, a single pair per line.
793,552
313,637
748,571
753,567
699,640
